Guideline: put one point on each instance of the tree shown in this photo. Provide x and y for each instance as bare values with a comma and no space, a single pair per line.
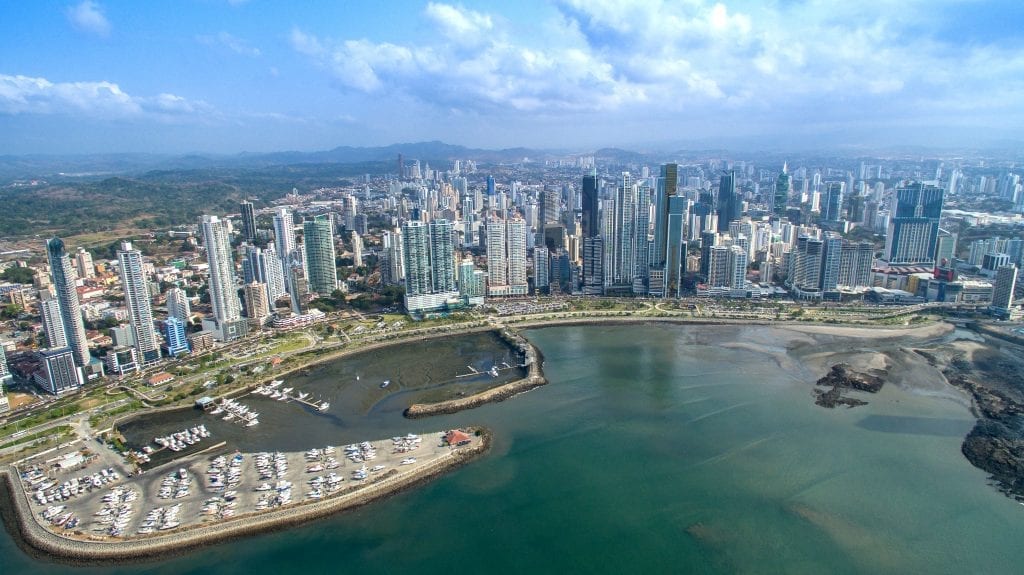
11,311
18,275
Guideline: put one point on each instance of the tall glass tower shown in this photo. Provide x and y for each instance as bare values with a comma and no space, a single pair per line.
318,247
914,225
67,299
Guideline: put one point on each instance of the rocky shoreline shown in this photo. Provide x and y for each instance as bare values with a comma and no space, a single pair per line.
33,538
842,378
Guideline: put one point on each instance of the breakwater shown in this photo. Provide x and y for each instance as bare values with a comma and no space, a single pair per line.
34,538
534,378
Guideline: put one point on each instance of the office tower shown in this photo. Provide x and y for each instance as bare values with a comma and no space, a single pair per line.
248,222
284,235
136,300
490,188
357,249
257,304
177,338
1002,292
319,255
833,205
590,210
593,265
674,245
664,191
178,305
84,265
58,374
780,197
855,263
227,310
264,266
729,206
541,271
299,288
53,324
67,299
550,207
913,228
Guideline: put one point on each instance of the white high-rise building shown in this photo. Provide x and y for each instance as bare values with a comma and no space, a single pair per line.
357,249
429,258
284,234
227,310
84,265
136,299
178,305
53,326
506,257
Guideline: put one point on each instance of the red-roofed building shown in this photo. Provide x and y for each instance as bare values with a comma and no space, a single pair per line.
455,438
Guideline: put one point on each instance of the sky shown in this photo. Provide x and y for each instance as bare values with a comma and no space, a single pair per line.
230,76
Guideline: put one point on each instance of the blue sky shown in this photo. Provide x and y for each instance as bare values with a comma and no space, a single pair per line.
249,75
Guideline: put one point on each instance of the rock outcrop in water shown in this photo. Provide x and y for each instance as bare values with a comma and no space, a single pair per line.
843,378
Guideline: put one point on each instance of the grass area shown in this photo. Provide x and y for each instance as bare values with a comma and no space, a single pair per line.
95,420
59,431
37,419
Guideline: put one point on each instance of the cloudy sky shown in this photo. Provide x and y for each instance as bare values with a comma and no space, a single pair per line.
255,75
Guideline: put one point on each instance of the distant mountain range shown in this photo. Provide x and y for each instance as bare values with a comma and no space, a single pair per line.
98,165
436,153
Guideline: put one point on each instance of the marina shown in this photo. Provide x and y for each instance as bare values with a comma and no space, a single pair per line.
272,391
211,488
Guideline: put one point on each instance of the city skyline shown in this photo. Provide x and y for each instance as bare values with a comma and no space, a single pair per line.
227,77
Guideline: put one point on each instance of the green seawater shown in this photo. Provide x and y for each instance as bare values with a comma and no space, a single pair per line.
661,449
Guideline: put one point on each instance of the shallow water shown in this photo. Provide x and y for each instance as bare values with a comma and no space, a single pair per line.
658,448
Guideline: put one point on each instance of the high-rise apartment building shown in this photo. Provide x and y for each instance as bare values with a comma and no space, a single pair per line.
257,304
177,338
284,236
833,202
58,373
319,254
913,229
264,266
64,278
137,301
227,310
429,256
729,206
178,305
53,323
84,265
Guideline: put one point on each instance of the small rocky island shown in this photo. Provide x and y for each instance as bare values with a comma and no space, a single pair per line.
842,378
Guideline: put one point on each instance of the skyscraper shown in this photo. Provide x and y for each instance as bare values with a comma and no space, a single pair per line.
53,324
264,266
591,218
664,191
136,300
67,299
248,221
227,310
914,225
832,206
318,249
284,235
429,256
780,198
58,374
257,304
729,207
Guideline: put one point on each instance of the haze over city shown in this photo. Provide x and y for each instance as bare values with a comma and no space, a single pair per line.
233,76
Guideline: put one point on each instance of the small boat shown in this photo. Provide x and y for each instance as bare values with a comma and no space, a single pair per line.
408,461
324,406
386,383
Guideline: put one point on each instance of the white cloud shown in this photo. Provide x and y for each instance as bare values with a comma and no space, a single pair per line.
787,62
233,43
88,17
103,100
